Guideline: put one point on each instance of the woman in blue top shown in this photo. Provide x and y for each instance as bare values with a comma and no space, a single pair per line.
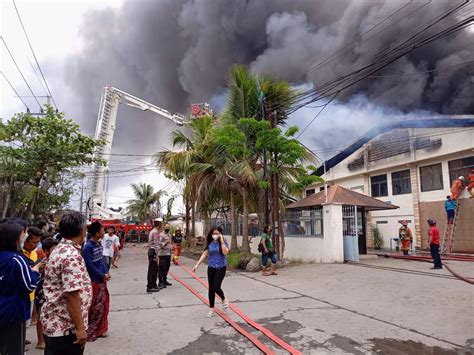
217,249
17,281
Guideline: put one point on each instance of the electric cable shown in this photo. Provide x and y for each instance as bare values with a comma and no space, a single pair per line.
9,83
34,55
19,70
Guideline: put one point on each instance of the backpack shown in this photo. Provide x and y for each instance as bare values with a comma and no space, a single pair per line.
261,249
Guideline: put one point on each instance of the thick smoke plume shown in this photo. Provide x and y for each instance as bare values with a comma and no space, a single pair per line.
175,52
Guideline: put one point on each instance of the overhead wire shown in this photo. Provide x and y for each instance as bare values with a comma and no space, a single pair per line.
382,58
37,76
34,55
21,73
14,90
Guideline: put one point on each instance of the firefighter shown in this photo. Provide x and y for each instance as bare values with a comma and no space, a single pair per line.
405,236
470,187
457,187
177,240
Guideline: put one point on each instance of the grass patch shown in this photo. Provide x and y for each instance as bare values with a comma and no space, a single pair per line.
234,259
239,260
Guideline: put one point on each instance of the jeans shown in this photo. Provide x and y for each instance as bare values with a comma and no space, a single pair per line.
270,255
215,276
434,248
152,274
62,345
12,338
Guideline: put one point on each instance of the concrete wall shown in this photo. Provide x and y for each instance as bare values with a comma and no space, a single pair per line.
313,249
456,143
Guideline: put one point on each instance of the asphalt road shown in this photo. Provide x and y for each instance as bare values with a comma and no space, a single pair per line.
382,306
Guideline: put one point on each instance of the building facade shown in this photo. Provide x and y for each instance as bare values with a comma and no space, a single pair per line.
410,164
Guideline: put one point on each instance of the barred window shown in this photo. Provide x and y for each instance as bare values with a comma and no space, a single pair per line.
379,185
431,177
401,183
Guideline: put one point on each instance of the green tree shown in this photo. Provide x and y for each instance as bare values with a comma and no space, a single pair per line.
145,198
40,155
188,161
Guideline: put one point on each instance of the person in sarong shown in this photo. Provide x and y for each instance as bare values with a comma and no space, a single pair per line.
99,274
405,236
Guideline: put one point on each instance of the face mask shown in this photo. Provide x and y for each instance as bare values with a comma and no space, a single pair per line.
215,237
167,230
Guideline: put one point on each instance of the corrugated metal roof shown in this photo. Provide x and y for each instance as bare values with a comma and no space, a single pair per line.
450,121
340,195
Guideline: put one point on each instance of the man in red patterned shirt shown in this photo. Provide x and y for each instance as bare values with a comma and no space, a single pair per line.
68,291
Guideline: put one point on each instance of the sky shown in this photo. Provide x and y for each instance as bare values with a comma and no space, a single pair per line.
52,27
173,53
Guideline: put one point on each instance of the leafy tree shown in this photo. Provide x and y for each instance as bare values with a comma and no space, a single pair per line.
39,161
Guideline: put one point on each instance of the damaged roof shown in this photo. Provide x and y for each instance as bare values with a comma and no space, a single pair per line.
449,121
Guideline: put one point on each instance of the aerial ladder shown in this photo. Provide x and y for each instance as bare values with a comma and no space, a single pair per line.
109,104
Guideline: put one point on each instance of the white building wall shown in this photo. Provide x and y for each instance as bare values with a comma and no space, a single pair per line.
457,143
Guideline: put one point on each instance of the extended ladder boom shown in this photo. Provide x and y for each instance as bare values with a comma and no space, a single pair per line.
111,98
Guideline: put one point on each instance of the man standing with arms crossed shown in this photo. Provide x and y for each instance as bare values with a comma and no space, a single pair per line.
153,239
67,290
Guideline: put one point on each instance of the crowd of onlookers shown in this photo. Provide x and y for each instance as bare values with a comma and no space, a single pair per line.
56,280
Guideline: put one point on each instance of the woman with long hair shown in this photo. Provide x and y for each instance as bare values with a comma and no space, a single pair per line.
216,249
17,280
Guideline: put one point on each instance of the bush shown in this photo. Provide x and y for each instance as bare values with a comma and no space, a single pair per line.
378,238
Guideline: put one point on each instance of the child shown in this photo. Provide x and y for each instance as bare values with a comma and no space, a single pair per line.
433,239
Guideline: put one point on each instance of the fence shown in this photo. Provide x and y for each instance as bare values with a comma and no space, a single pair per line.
304,223
226,225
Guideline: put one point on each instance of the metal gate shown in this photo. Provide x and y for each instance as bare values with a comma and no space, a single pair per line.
350,233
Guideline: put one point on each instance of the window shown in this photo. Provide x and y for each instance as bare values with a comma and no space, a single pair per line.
378,184
310,192
460,167
401,183
431,177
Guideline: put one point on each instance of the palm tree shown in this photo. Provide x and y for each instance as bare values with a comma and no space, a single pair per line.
145,198
188,160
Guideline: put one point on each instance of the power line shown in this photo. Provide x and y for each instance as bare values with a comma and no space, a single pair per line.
14,61
37,76
34,55
322,109
8,81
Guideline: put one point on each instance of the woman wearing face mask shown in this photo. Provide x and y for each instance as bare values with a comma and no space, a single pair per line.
217,249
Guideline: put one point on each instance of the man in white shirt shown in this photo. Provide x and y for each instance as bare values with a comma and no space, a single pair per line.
108,243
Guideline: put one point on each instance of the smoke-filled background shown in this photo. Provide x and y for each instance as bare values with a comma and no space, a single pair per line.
176,52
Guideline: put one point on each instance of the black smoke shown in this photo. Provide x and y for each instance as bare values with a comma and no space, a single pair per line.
176,52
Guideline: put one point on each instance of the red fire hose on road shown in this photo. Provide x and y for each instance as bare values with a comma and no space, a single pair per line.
249,320
428,259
